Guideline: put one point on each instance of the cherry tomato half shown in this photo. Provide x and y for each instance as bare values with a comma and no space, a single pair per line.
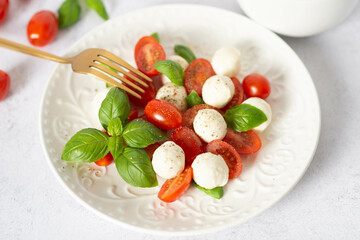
105,161
163,114
147,56
244,142
238,97
256,85
190,114
196,74
189,142
142,42
4,8
148,95
174,188
42,28
4,84
229,154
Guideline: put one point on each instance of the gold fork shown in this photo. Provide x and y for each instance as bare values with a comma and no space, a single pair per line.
92,61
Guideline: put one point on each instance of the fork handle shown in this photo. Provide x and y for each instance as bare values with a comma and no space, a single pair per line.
32,51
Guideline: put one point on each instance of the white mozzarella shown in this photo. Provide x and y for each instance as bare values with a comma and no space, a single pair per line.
218,90
210,170
227,61
168,160
174,94
183,63
263,106
94,106
209,125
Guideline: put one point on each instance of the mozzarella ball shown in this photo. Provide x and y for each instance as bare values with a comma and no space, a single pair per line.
210,170
263,106
168,160
174,94
183,63
227,61
218,91
209,125
94,106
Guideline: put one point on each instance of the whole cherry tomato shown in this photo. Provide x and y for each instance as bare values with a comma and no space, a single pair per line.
162,114
4,8
4,84
42,28
105,161
256,85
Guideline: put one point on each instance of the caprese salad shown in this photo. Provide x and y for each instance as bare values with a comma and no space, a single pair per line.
198,120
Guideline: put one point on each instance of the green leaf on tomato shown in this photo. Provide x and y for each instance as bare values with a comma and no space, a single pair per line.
69,13
194,99
116,146
171,70
140,134
217,192
156,36
87,145
244,117
115,127
185,53
135,167
99,7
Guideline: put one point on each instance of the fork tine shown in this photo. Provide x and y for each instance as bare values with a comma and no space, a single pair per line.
111,81
117,76
121,62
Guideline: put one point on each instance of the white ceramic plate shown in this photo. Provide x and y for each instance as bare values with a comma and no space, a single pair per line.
288,144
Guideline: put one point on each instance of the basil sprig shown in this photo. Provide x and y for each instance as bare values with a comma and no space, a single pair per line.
69,13
156,36
185,53
172,70
194,99
115,127
99,7
217,192
116,146
244,117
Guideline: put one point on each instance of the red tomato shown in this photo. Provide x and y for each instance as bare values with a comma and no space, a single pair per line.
143,116
133,114
244,142
229,154
147,56
189,142
105,161
142,42
42,28
174,188
190,114
4,84
151,149
163,114
4,7
148,95
256,85
196,74
238,97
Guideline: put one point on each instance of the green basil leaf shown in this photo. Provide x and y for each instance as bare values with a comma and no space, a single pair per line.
99,7
185,53
172,70
69,13
194,99
244,117
156,36
87,145
116,146
115,105
140,134
135,167
115,127
217,192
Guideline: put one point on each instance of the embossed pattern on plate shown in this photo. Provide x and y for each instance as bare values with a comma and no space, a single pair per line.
288,144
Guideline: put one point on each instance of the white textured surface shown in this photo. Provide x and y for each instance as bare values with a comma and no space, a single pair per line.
325,204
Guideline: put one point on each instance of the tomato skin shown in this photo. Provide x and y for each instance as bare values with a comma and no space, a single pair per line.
151,149
229,154
174,188
4,84
196,74
238,97
189,142
4,8
162,114
256,85
189,115
244,142
148,95
147,56
105,161
42,28
133,114
142,42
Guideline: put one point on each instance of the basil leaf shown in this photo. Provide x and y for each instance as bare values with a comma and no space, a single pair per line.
115,127
185,53
115,105
69,13
87,145
116,146
140,133
135,167
156,36
107,84
172,70
217,192
194,99
244,117
99,7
